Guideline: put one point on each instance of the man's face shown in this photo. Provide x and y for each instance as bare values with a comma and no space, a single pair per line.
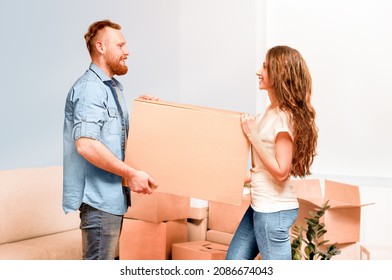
115,51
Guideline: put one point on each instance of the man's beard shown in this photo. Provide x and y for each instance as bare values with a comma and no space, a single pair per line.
116,67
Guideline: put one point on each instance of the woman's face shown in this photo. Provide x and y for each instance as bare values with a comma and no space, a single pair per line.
263,77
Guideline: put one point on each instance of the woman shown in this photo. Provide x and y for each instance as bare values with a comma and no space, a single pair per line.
283,144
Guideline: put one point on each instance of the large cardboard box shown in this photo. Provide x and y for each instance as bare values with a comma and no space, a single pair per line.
141,240
190,150
158,207
342,219
199,250
226,217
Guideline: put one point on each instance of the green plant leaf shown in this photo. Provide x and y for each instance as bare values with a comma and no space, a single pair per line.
312,222
310,235
323,242
320,213
321,233
312,214
297,256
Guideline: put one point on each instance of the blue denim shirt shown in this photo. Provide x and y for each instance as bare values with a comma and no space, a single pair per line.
93,110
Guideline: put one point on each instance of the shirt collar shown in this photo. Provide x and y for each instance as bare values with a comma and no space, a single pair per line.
105,78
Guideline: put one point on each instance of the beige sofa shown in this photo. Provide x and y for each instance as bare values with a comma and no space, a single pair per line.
33,225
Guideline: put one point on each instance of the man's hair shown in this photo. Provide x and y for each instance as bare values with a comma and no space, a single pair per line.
94,31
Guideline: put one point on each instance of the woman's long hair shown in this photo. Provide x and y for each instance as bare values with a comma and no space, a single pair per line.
291,84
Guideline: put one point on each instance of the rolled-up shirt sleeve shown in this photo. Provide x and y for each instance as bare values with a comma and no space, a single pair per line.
89,110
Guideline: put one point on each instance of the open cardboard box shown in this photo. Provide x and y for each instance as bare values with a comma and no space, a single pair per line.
342,220
199,250
191,151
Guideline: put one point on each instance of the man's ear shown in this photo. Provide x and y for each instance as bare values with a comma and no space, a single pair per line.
99,47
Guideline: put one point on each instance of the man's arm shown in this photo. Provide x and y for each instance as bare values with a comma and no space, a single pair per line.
96,153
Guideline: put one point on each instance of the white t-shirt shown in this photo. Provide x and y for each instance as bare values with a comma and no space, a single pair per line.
268,195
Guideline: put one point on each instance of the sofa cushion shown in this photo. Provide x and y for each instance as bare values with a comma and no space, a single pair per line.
31,204
60,246
16,251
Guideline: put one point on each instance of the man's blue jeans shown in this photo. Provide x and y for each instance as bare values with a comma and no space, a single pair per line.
267,233
100,233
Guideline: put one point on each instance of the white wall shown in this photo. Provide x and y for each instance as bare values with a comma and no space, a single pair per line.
347,46
217,66
43,52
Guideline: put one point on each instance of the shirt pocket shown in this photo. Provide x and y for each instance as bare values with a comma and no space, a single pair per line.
113,122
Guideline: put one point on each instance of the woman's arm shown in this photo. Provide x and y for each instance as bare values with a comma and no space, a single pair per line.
280,165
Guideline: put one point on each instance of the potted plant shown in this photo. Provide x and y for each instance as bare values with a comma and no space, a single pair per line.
314,248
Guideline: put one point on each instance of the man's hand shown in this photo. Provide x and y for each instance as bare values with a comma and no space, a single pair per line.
141,182
149,97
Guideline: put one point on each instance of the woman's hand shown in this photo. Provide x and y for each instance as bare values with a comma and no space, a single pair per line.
249,126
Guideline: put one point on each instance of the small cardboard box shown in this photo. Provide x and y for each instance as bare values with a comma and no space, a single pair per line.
198,213
158,207
197,229
342,219
140,240
190,150
219,236
226,217
199,250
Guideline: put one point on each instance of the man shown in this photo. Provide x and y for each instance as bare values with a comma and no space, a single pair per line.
95,132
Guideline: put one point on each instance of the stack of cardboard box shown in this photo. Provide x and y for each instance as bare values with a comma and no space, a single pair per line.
197,220
223,220
152,225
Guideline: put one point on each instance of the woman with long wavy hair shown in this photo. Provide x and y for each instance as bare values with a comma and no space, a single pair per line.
283,141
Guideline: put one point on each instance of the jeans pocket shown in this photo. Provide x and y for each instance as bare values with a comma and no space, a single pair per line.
287,218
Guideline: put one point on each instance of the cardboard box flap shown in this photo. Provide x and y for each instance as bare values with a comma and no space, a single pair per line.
308,190
334,204
341,195
315,202
347,194
208,247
